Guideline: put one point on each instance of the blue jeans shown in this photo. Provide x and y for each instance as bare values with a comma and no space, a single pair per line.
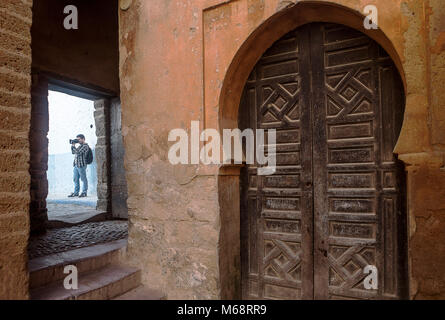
82,174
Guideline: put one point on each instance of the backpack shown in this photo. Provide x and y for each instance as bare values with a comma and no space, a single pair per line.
89,157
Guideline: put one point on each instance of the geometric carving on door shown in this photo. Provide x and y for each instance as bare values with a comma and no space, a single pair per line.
333,108
349,93
346,269
333,80
334,204
282,260
290,87
363,106
364,77
281,103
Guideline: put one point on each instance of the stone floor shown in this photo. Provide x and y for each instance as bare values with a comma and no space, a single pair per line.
85,235
57,211
90,201
64,211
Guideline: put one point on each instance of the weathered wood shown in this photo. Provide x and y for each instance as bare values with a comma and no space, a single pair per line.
336,202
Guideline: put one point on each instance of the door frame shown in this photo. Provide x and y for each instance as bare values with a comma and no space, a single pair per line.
43,81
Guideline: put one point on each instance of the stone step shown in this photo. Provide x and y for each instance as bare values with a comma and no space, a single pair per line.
49,269
102,284
142,293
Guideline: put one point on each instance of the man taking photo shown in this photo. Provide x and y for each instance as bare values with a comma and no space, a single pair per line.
80,166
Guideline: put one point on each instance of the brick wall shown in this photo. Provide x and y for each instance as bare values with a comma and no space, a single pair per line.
15,112
38,138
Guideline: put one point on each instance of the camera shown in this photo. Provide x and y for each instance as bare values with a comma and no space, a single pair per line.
74,141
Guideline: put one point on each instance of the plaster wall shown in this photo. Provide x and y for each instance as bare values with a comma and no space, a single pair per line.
188,60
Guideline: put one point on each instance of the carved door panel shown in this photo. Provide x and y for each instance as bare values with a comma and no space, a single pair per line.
277,213
335,203
357,182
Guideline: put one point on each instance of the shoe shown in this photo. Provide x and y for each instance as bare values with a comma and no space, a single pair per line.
83,195
72,195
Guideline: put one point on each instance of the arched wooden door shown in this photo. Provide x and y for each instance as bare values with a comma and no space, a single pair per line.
336,202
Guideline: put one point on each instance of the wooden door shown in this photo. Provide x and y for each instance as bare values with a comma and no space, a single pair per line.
335,203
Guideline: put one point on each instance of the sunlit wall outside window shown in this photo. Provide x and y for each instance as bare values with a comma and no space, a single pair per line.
68,117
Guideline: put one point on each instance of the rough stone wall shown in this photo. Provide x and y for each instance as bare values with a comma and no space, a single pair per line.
427,242
102,119
38,139
173,211
188,60
426,172
117,151
15,111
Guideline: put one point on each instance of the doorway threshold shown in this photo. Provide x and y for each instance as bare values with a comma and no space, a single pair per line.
76,237
68,212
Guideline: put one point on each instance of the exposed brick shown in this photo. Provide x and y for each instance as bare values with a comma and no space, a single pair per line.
13,161
12,82
12,43
13,270
8,99
14,120
14,202
20,7
14,182
14,25
15,116
15,62
15,222
12,140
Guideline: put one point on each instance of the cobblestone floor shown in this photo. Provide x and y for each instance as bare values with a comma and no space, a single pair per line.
65,239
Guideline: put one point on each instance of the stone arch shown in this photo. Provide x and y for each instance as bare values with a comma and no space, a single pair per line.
272,29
